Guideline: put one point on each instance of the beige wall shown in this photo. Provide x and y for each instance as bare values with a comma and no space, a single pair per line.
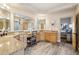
4,13
56,18
22,12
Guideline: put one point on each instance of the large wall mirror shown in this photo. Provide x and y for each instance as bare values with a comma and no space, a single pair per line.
4,23
22,23
41,24
1,24
4,20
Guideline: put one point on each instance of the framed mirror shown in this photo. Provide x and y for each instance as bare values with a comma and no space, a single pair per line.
41,24
4,20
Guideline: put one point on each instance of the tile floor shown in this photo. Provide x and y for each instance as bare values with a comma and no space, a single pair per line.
45,48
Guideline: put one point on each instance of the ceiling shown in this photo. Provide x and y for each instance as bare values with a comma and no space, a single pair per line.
43,7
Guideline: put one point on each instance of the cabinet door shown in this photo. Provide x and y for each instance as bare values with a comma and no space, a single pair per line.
47,37
38,37
42,35
53,37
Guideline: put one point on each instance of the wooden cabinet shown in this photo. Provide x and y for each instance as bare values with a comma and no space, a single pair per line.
51,37
47,36
38,37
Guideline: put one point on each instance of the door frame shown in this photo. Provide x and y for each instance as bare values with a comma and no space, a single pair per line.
76,32
71,21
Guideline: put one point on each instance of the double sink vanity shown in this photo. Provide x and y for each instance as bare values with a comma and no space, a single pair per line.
15,43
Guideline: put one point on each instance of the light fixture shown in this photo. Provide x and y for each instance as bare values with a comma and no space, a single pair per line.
41,16
4,6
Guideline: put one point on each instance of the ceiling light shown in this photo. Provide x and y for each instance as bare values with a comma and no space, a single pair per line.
6,6
2,7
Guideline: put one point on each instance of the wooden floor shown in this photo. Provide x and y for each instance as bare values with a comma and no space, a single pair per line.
45,48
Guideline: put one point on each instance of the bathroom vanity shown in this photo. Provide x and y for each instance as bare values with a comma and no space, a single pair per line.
9,45
46,35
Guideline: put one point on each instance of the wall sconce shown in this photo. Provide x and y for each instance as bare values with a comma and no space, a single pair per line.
53,22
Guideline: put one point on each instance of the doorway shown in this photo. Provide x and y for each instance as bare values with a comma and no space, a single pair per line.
77,32
66,30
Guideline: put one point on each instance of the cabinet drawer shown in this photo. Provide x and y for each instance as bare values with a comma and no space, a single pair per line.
53,39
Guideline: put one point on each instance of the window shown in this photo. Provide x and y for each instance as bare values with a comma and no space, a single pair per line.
66,24
16,25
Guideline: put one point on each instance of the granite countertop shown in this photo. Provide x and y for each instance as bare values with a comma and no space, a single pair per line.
9,45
